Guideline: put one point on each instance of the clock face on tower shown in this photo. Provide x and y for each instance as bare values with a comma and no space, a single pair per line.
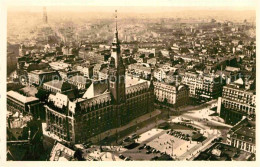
112,85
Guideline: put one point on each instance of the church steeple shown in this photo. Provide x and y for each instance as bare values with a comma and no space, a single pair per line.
116,72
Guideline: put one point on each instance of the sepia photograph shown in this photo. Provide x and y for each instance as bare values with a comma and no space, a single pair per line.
152,81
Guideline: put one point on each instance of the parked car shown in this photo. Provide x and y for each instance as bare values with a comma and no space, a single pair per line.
154,151
121,156
127,159
127,139
147,147
140,148
148,152
134,136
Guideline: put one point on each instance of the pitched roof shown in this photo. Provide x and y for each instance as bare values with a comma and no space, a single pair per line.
96,88
59,84
239,81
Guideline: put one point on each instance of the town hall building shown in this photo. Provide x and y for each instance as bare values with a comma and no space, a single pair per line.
107,104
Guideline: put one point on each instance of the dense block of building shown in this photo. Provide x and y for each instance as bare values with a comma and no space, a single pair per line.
17,102
55,86
60,152
38,77
108,104
175,95
236,102
242,136
203,87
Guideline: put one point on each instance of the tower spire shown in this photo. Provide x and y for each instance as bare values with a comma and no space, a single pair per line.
116,18
44,16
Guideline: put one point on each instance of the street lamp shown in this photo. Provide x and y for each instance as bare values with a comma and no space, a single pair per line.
116,135
156,121
99,118
172,141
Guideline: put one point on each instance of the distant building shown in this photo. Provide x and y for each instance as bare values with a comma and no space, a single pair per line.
38,77
232,69
243,136
59,65
66,74
104,107
151,61
97,68
236,102
166,53
160,74
55,86
103,73
147,52
140,70
79,81
22,104
175,95
87,70
60,152
203,87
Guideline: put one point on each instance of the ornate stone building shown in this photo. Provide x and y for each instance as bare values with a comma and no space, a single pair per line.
17,102
203,87
108,104
175,95
242,135
236,102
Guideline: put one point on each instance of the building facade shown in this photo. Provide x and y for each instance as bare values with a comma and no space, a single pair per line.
23,105
65,75
125,99
55,86
175,95
235,103
80,82
242,136
39,77
203,87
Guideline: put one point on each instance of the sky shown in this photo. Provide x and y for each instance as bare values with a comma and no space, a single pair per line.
244,4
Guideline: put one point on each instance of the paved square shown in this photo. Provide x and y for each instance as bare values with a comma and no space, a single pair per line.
163,144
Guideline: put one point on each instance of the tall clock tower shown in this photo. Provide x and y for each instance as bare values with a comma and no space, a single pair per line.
116,71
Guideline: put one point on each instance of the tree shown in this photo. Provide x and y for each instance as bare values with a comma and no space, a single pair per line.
42,94
78,155
165,101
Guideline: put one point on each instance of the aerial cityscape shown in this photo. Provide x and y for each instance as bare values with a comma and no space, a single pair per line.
131,84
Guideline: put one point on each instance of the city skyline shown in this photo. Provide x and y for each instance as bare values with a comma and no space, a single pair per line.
132,83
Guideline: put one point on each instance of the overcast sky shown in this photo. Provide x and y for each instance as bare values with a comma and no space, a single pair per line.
233,4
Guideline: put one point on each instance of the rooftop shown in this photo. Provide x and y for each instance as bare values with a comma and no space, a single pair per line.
80,79
61,153
38,72
59,84
96,88
244,130
223,152
131,81
20,97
